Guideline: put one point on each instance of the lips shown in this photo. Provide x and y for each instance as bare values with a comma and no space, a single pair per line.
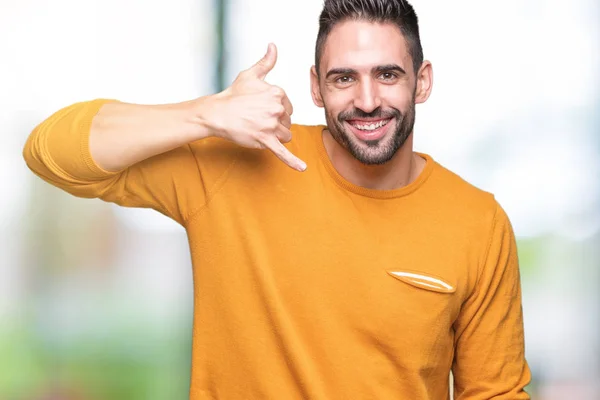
368,130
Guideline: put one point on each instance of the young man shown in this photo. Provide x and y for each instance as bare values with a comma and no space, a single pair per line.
370,275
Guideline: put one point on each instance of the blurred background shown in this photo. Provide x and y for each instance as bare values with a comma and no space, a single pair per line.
96,301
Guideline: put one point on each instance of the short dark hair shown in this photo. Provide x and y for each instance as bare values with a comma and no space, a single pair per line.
398,12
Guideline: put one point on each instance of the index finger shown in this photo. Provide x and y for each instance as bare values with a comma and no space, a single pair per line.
273,144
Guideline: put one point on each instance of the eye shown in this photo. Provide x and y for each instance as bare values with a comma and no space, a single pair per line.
344,79
388,76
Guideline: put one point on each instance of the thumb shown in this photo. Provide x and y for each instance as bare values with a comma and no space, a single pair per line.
265,64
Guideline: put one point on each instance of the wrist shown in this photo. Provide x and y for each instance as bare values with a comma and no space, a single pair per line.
205,117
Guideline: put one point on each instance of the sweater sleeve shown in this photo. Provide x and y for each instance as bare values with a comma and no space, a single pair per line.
489,358
174,183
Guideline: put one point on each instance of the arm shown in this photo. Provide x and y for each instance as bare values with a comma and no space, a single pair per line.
489,338
58,150
157,156
124,134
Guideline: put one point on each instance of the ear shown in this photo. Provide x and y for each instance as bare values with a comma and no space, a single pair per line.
424,82
315,91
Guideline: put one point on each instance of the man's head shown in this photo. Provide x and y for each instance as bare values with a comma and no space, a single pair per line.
369,73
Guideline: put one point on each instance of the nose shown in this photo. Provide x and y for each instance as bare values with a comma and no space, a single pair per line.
367,99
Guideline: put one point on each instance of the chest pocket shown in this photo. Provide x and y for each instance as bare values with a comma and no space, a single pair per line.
419,302
426,282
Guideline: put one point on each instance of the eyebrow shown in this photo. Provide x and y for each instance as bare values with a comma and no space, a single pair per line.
379,68
389,68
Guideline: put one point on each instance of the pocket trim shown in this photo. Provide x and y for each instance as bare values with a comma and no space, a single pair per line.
423,281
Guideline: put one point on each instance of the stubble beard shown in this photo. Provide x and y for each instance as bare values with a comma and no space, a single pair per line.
376,152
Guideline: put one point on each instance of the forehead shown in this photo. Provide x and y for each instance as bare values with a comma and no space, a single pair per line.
362,45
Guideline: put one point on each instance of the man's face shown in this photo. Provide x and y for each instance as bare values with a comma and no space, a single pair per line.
367,86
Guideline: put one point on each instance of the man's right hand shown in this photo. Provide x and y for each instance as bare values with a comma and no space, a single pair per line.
253,113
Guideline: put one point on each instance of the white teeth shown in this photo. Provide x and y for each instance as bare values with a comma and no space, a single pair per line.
371,127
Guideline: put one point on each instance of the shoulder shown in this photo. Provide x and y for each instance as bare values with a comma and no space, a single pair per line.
459,194
464,204
305,141
305,135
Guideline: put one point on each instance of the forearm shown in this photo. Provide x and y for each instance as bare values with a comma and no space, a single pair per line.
92,141
123,134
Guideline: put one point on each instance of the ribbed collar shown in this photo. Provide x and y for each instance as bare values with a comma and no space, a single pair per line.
373,193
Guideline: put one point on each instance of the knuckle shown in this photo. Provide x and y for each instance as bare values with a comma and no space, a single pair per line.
273,123
278,92
255,144
287,123
259,137
263,143
278,109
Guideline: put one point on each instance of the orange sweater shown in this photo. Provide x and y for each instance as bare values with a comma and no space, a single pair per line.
309,287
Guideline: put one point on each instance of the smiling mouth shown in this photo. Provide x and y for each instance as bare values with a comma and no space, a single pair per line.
369,130
369,126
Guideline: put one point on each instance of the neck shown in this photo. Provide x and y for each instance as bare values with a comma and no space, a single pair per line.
400,171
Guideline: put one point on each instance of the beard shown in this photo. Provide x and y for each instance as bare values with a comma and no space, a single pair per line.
373,152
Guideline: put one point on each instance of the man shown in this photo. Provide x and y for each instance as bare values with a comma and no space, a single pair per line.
372,274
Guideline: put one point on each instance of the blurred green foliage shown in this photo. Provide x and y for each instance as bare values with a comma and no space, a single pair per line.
127,365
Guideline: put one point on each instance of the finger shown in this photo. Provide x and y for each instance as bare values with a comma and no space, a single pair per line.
284,154
286,120
265,64
283,134
288,105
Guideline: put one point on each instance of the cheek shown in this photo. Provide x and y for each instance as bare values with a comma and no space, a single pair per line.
396,97
337,101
